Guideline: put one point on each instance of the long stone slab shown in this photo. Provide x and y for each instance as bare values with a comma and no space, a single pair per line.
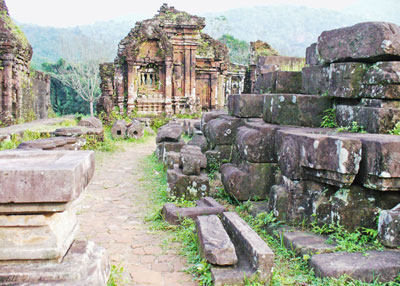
28,237
44,176
205,206
215,244
84,264
54,143
369,41
260,256
303,243
39,208
372,266
246,105
295,109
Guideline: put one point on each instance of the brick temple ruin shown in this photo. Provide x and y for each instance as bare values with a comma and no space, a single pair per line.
24,93
167,65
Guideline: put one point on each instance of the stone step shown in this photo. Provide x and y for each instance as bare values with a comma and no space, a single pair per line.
205,206
372,266
84,264
295,109
44,176
215,244
246,105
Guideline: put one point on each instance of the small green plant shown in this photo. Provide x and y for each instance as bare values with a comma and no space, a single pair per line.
354,128
396,129
329,119
116,276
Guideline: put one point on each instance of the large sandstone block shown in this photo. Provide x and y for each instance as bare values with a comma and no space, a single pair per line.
249,180
169,133
44,176
259,255
312,56
315,80
369,41
295,109
246,105
192,160
187,187
372,266
92,122
29,237
372,119
84,264
389,227
379,166
330,159
54,143
303,243
200,141
354,207
215,244
222,131
279,82
165,147
208,116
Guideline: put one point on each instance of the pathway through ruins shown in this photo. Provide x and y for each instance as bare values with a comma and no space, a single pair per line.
112,215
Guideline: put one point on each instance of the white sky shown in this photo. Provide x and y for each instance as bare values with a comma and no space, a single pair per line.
64,13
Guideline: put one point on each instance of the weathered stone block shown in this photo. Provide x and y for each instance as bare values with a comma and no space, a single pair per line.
369,41
119,129
171,159
265,83
372,266
191,155
302,152
245,105
165,147
260,256
92,122
295,109
372,119
354,207
33,208
278,202
135,130
30,237
187,187
249,180
205,206
44,176
389,227
215,244
54,143
288,82
200,141
222,131
312,56
208,116
303,243
383,73
315,80
169,133
84,264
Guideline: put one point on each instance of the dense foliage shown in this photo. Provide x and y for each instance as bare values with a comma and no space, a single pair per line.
239,51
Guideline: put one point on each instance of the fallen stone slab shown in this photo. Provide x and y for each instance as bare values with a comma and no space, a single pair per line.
215,244
37,237
259,255
295,109
303,243
200,141
80,131
44,176
372,266
369,42
389,227
208,116
205,206
92,122
84,264
171,132
246,105
54,143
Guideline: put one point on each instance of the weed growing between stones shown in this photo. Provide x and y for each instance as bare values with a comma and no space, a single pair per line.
329,119
116,276
396,129
17,139
354,128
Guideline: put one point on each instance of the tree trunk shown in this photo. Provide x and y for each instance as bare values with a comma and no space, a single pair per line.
91,108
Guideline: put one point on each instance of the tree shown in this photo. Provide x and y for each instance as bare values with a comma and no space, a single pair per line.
239,51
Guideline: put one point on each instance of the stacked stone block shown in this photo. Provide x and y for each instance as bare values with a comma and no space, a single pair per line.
38,224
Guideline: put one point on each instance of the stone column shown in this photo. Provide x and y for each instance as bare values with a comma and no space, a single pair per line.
187,72
168,86
120,89
193,77
221,91
132,87
214,89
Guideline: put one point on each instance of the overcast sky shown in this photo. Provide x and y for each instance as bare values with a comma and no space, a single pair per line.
66,13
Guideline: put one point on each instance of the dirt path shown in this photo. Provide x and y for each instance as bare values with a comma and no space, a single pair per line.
112,215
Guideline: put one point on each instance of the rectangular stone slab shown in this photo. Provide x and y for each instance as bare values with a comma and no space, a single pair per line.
84,264
306,243
25,237
379,266
369,41
246,105
295,109
243,236
215,244
315,80
44,176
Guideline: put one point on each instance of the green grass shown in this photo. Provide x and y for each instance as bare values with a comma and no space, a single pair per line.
17,139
